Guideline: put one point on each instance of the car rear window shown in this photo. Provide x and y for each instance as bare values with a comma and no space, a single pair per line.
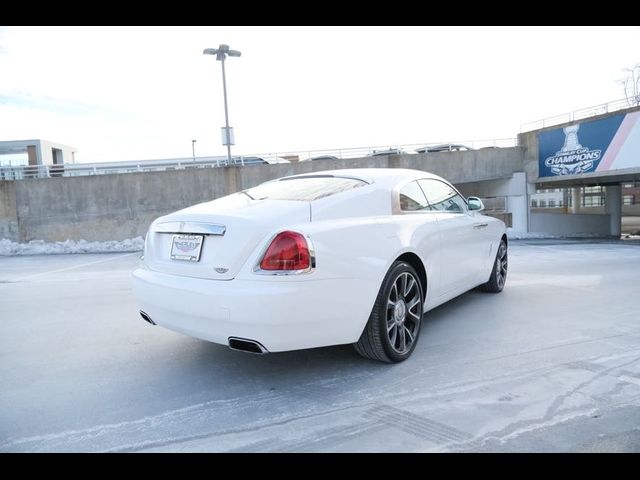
303,188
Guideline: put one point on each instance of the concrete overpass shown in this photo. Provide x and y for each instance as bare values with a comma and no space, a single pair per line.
120,206
602,151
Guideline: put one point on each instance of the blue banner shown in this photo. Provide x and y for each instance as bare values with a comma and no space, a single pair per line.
577,148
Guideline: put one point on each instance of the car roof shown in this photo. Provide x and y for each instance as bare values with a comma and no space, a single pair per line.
444,146
381,177
387,151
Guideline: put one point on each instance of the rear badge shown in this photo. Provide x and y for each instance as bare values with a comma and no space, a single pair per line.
222,270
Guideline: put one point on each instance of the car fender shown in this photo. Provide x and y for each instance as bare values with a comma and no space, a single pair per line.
360,249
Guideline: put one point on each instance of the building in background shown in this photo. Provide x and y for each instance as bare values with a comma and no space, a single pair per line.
35,152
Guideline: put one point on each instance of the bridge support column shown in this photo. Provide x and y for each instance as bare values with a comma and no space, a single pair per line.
613,206
575,200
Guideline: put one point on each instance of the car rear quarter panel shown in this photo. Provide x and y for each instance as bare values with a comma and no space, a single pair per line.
362,249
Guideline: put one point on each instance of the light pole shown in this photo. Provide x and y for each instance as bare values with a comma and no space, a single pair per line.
221,54
193,149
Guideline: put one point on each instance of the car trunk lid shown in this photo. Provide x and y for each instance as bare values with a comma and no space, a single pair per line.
230,228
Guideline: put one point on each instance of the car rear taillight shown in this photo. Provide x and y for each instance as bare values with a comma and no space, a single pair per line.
288,251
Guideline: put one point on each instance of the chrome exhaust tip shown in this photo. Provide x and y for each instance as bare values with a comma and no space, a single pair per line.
246,345
146,318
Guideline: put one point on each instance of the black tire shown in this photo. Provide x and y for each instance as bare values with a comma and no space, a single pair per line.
498,276
381,342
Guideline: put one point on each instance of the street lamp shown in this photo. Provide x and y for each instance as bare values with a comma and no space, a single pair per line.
193,149
221,54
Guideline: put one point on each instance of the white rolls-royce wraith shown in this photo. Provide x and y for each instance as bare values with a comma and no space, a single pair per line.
335,257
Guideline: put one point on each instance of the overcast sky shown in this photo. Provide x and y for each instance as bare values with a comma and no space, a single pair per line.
143,92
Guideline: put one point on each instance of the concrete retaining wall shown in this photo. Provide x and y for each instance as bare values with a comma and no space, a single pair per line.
119,206
568,224
8,213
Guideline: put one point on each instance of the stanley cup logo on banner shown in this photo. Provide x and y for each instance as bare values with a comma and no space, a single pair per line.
571,138
572,158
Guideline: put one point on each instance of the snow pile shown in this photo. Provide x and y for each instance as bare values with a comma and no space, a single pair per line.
40,247
515,235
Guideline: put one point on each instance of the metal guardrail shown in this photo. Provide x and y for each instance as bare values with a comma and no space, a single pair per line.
495,204
497,207
576,115
85,169
19,172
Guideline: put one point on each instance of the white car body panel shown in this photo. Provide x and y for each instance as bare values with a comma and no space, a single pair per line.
356,235
246,223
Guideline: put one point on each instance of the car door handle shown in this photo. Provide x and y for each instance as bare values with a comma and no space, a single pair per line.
480,225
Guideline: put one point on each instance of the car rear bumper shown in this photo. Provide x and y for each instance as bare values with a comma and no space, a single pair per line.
281,314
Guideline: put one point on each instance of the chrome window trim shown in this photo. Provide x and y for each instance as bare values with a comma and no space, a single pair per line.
464,200
395,201
395,207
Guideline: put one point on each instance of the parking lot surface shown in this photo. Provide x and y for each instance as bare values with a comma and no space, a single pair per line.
551,364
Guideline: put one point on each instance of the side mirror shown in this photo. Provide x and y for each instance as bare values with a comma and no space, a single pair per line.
475,204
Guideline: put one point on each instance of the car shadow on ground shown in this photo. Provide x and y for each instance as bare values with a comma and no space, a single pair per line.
189,370
323,364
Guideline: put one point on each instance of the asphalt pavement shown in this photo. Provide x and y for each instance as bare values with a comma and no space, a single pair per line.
552,364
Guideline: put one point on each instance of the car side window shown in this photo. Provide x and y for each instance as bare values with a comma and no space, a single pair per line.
412,198
443,197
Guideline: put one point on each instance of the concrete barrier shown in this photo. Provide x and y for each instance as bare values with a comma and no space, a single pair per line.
120,206
8,212
570,224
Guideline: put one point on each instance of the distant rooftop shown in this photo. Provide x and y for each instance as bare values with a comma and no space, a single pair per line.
20,146
36,152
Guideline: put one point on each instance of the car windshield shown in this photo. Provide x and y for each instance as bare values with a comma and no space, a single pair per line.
303,188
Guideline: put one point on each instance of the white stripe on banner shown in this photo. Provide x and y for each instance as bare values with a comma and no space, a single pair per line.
623,149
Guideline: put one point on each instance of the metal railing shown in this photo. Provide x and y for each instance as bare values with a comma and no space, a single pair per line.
576,115
19,172
495,204
13,172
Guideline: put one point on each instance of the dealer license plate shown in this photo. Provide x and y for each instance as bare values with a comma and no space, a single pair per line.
186,247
